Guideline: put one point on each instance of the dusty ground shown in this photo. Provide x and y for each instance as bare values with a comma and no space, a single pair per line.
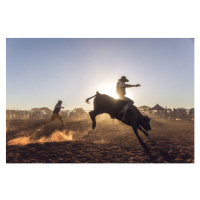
111,142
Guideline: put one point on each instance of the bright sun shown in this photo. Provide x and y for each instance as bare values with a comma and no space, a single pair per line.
109,89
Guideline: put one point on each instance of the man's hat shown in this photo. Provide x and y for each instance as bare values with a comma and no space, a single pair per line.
59,101
124,79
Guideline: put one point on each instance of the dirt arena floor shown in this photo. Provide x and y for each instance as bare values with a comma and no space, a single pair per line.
111,142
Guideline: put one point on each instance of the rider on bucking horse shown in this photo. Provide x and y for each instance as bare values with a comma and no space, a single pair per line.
121,91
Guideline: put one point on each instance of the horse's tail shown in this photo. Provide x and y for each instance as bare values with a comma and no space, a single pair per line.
87,100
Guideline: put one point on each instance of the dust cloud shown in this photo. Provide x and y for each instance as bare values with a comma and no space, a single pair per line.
56,136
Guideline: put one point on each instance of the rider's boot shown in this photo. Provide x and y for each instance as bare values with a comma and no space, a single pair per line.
123,112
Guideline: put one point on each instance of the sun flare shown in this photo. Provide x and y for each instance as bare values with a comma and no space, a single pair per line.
109,89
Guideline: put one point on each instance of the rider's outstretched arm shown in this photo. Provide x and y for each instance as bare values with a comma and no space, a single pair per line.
137,85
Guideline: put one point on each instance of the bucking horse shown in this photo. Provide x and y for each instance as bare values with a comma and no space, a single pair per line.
106,104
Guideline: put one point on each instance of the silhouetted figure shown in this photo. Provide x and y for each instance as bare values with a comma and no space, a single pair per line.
121,91
55,114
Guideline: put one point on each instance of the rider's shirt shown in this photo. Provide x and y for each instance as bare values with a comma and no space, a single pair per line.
121,88
57,108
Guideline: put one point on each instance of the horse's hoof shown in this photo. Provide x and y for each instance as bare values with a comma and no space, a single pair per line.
93,126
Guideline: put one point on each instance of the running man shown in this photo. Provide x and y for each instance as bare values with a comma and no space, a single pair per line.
121,91
55,114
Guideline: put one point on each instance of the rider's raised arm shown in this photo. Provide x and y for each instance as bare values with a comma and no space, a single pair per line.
137,85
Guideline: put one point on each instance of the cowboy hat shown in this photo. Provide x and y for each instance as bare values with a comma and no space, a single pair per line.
124,79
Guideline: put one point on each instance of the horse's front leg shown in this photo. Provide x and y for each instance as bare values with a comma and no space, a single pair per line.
93,116
134,127
139,128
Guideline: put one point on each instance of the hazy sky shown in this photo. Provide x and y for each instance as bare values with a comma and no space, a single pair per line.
42,71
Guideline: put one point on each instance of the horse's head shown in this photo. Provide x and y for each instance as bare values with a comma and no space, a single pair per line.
145,123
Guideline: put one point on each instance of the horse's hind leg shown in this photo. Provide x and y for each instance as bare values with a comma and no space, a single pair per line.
92,116
139,128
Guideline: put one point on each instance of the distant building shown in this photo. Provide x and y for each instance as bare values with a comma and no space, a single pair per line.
181,111
157,108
